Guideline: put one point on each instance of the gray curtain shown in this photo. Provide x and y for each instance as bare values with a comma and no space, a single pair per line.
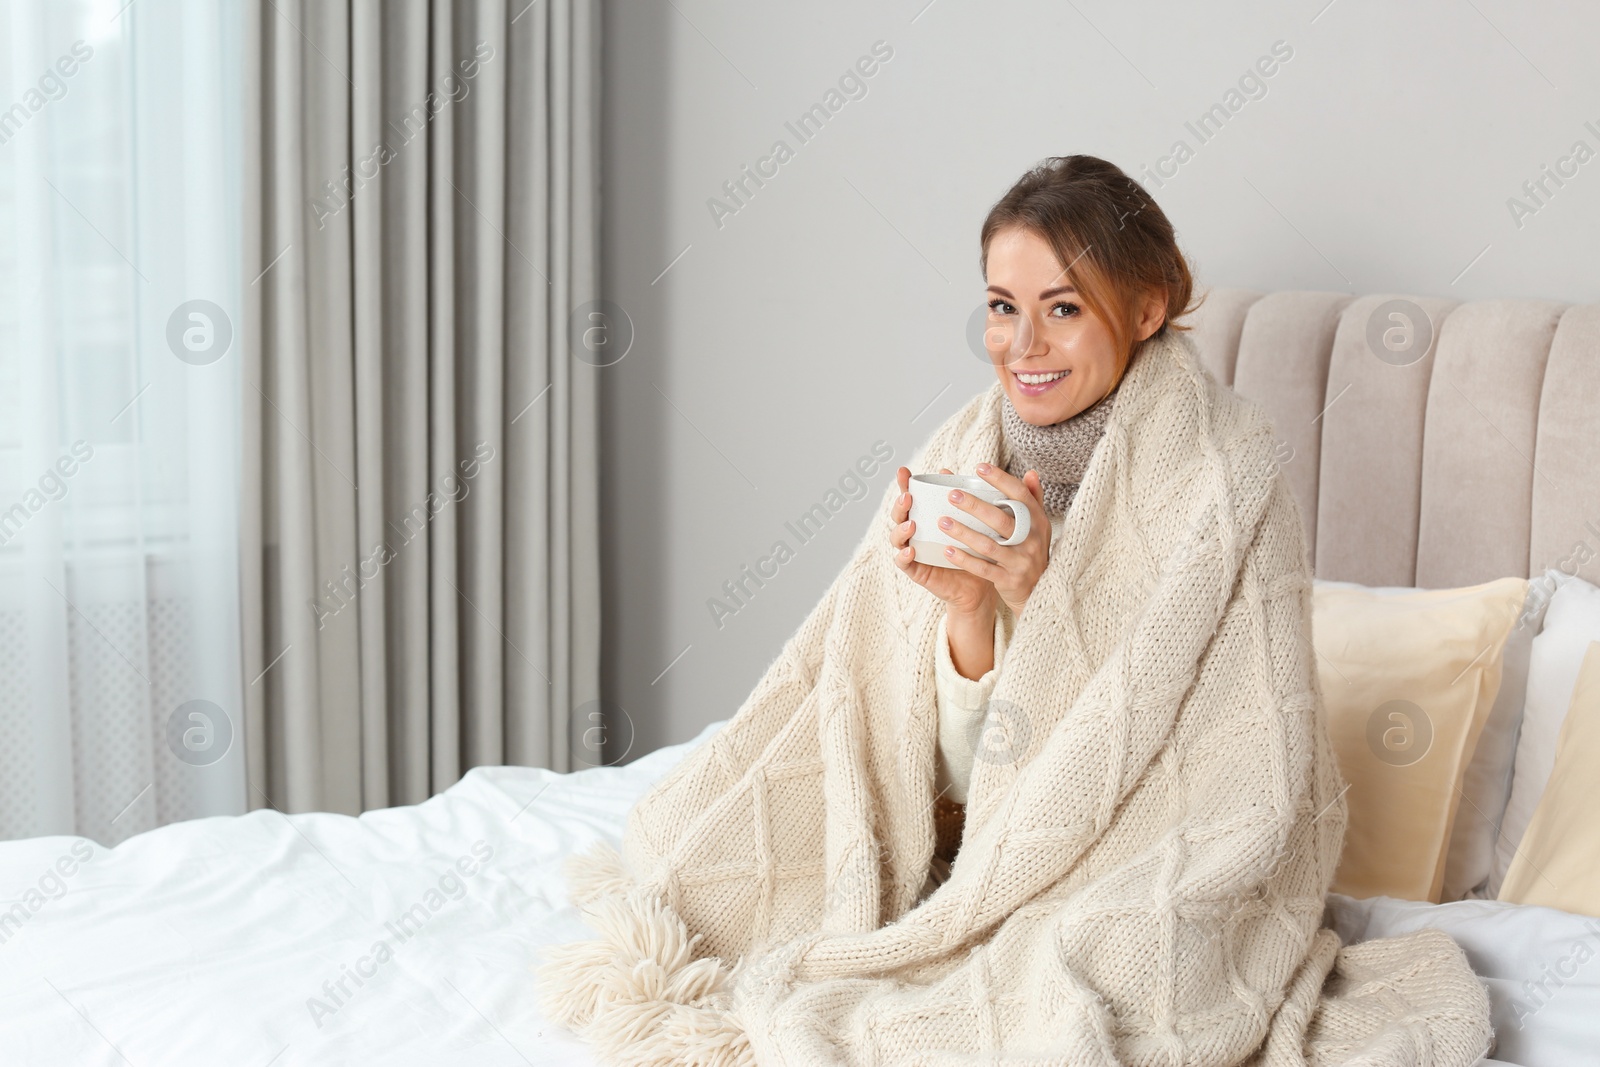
421,576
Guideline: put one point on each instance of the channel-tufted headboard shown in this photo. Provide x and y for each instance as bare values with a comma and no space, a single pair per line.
1478,459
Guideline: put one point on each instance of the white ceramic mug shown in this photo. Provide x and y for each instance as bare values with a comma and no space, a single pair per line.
930,500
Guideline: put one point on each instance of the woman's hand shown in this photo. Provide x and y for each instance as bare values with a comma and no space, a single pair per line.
964,592
1016,568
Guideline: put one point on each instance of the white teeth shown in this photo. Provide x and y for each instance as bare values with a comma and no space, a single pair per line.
1040,379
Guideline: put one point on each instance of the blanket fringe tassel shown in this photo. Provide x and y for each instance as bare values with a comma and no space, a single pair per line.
637,993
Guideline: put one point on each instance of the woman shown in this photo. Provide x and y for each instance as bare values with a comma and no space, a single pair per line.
1059,353
1137,874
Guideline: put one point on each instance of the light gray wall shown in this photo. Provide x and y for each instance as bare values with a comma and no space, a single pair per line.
830,310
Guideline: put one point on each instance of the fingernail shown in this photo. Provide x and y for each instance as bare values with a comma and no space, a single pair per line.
984,468
955,495
951,552
944,521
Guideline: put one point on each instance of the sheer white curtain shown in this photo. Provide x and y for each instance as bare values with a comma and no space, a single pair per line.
120,679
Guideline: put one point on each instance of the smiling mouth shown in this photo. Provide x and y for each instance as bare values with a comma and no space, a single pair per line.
1040,378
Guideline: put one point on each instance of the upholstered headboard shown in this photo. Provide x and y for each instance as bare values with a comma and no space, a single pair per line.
1434,461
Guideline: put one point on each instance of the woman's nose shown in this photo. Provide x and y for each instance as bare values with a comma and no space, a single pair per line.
1029,340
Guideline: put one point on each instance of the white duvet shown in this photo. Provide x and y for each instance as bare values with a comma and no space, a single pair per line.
406,936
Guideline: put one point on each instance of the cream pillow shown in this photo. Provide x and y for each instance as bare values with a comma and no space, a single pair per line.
1408,679
1558,862
1486,783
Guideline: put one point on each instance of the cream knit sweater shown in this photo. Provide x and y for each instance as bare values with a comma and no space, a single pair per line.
1141,875
962,700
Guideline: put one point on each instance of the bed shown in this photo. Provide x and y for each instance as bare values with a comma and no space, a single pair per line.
234,940
406,936
250,940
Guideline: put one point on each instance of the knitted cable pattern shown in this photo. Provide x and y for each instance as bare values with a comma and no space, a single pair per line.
1145,851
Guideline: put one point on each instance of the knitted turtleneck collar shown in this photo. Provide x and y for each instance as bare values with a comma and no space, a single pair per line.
1059,452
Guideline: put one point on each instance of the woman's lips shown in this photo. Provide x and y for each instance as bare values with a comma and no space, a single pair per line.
1051,379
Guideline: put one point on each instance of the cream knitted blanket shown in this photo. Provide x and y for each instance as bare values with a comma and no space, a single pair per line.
1141,875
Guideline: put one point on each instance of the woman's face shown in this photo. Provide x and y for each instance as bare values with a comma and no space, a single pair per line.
1052,354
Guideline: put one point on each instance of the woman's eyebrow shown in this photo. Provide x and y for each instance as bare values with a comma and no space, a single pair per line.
1046,295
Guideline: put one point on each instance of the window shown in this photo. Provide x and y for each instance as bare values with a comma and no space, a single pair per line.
119,441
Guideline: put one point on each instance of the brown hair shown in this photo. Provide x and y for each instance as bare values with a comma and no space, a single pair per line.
1115,241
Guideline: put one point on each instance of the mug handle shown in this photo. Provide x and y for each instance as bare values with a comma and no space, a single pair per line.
1024,517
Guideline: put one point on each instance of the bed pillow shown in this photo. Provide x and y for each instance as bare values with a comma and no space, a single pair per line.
1571,622
1486,783
1557,863
1408,679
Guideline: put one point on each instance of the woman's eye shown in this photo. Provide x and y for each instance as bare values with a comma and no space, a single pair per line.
1072,309
1000,307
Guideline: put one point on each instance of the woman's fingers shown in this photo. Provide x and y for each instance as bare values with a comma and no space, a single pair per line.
997,519
1035,485
981,568
977,542
1029,489
1001,479
946,582
899,540
901,505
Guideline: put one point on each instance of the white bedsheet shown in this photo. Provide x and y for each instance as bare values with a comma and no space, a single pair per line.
224,941
1539,965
